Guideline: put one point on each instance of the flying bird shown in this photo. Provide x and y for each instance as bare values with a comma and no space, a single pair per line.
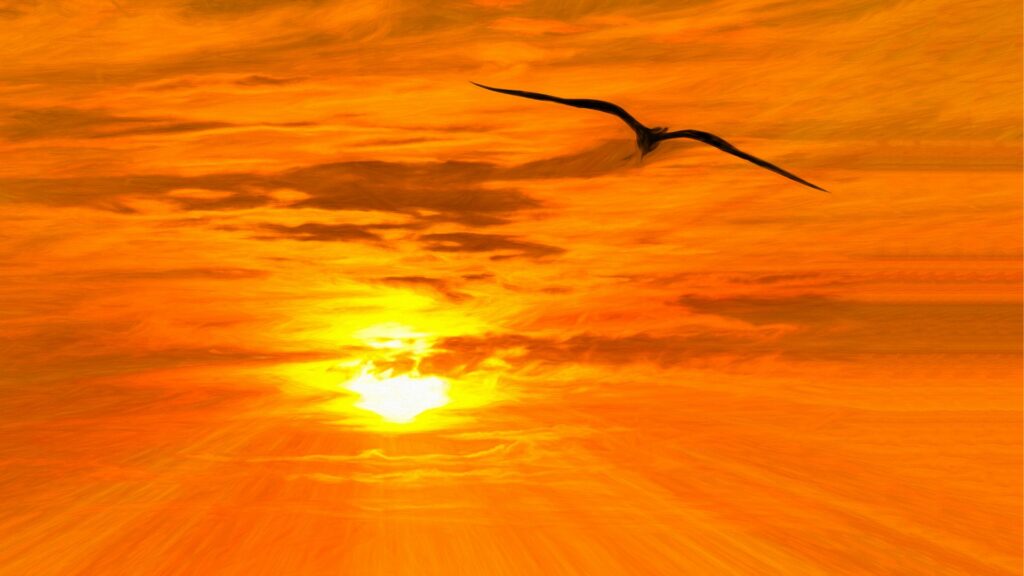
647,139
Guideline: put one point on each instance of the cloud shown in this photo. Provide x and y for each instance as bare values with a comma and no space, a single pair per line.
486,456
233,201
796,277
16,8
429,192
804,309
261,50
582,9
109,192
417,476
819,12
119,275
507,246
459,354
438,285
604,158
63,122
803,327
452,190
824,325
375,456
478,276
236,7
312,231
259,80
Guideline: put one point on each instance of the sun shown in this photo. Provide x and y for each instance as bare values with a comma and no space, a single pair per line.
397,399
383,389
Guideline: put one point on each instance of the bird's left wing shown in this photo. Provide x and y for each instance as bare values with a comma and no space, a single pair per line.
599,105
712,140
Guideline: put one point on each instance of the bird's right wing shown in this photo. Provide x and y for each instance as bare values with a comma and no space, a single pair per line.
599,105
721,144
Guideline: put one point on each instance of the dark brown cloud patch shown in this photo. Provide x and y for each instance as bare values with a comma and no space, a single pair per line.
472,194
315,232
240,201
427,192
467,193
234,8
478,276
445,191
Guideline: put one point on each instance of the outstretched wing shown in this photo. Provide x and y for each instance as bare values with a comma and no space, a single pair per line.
599,105
724,146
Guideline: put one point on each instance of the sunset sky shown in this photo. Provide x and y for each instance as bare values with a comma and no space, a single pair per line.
281,292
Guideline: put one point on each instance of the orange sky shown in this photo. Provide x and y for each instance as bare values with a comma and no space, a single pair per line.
219,213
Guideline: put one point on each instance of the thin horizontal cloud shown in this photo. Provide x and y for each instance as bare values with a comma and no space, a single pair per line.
830,326
261,53
104,191
314,232
64,122
168,274
112,192
506,246
461,354
260,80
478,276
804,309
818,12
227,8
573,11
235,201
801,327
796,277
416,476
375,456
438,285
73,345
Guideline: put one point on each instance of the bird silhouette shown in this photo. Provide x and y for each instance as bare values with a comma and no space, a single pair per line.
647,139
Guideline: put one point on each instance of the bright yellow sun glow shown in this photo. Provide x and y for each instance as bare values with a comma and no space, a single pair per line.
398,399
388,384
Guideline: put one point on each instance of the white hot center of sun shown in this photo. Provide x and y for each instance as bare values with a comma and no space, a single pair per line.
398,399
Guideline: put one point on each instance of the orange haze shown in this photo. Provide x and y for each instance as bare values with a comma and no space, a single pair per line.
237,232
